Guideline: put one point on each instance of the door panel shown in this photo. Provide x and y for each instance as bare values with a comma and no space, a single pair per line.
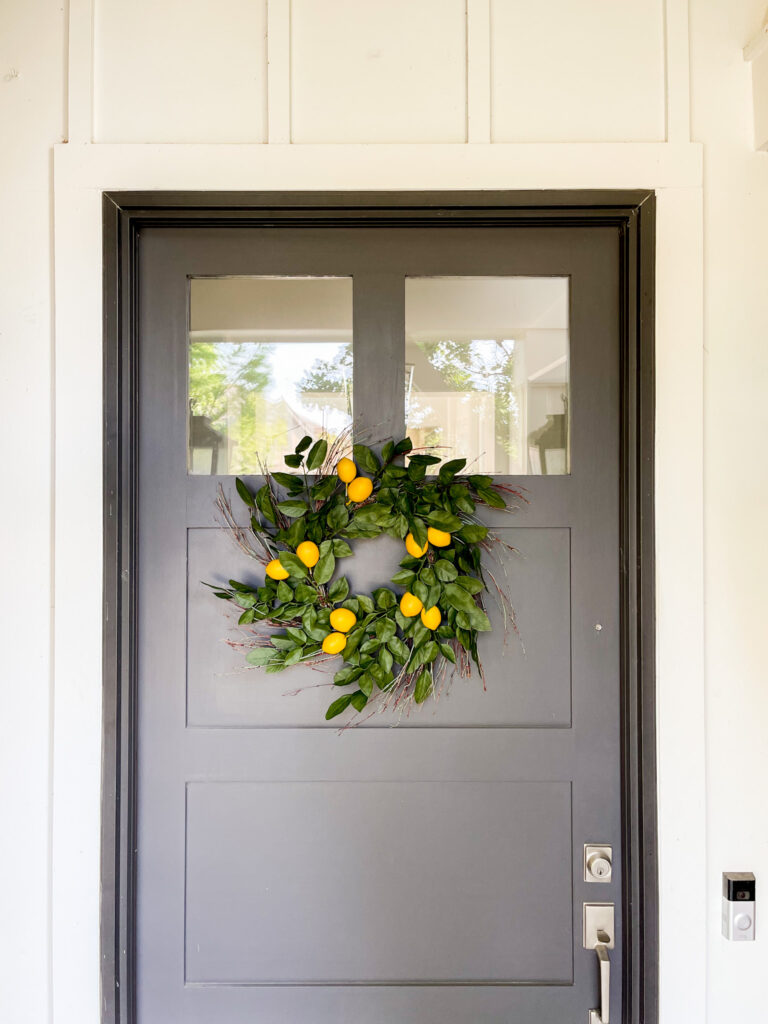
431,872
530,668
391,848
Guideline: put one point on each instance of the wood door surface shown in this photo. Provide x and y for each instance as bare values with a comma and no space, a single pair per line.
431,872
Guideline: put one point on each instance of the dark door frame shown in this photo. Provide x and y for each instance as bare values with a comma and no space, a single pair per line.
632,213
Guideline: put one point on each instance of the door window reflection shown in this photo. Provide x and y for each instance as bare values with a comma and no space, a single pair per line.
270,360
487,373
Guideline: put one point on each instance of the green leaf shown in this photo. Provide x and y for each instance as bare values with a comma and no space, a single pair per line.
429,652
245,600
339,705
419,531
287,479
388,451
423,460
244,493
260,655
339,589
324,488
241,588
303,444
347,675
428,576
293,656
294,535
296,634
282,643
448,652
247,617
366,604
404,446
384,598
445,570
353,642
293,564
480,481
491,497
449,470
293,509
263,499
471,584
385,659
284,592
423,686
358,700
399,649
478,619
364,457
294,461
304,594
338,517
420,590
444,521
365,682
385,629
462,499
341,549
325,567
472,533
317,454
404,577
458,597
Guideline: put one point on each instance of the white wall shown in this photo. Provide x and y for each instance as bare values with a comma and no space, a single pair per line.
736,488
183,95
32,119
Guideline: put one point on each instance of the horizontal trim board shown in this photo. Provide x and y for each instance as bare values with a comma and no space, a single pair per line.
404,167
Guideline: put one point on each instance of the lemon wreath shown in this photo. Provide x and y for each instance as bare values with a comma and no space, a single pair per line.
396,648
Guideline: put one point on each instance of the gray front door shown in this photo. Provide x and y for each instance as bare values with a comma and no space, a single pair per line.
433,872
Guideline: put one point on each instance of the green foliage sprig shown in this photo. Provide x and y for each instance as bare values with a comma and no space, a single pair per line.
391,656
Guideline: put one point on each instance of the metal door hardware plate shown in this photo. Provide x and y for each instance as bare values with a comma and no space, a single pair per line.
598,918
598,861
594,1017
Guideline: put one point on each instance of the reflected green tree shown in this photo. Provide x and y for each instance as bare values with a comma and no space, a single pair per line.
227,384
479,367
328,377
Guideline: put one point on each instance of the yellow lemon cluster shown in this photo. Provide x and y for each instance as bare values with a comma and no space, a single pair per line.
342,620
359,488
437,538
410,606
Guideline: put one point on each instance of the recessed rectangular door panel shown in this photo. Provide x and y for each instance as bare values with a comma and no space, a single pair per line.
526,658
345,882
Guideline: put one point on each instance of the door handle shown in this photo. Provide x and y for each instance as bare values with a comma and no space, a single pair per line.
599,935
605,977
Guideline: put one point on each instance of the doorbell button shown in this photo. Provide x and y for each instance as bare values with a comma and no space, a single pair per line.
738,906
597,863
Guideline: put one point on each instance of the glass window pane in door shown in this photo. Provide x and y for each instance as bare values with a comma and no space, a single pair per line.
270,360
487,371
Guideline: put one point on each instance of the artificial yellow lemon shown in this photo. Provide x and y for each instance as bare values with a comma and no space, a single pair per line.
334,643
439,538
413,548
431,617
343,619
308,552
360,489
276,571
346,470
410,605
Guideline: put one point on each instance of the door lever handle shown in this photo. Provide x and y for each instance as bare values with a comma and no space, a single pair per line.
605,975
599,935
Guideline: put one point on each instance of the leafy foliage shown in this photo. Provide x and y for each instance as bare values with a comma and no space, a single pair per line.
389,660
